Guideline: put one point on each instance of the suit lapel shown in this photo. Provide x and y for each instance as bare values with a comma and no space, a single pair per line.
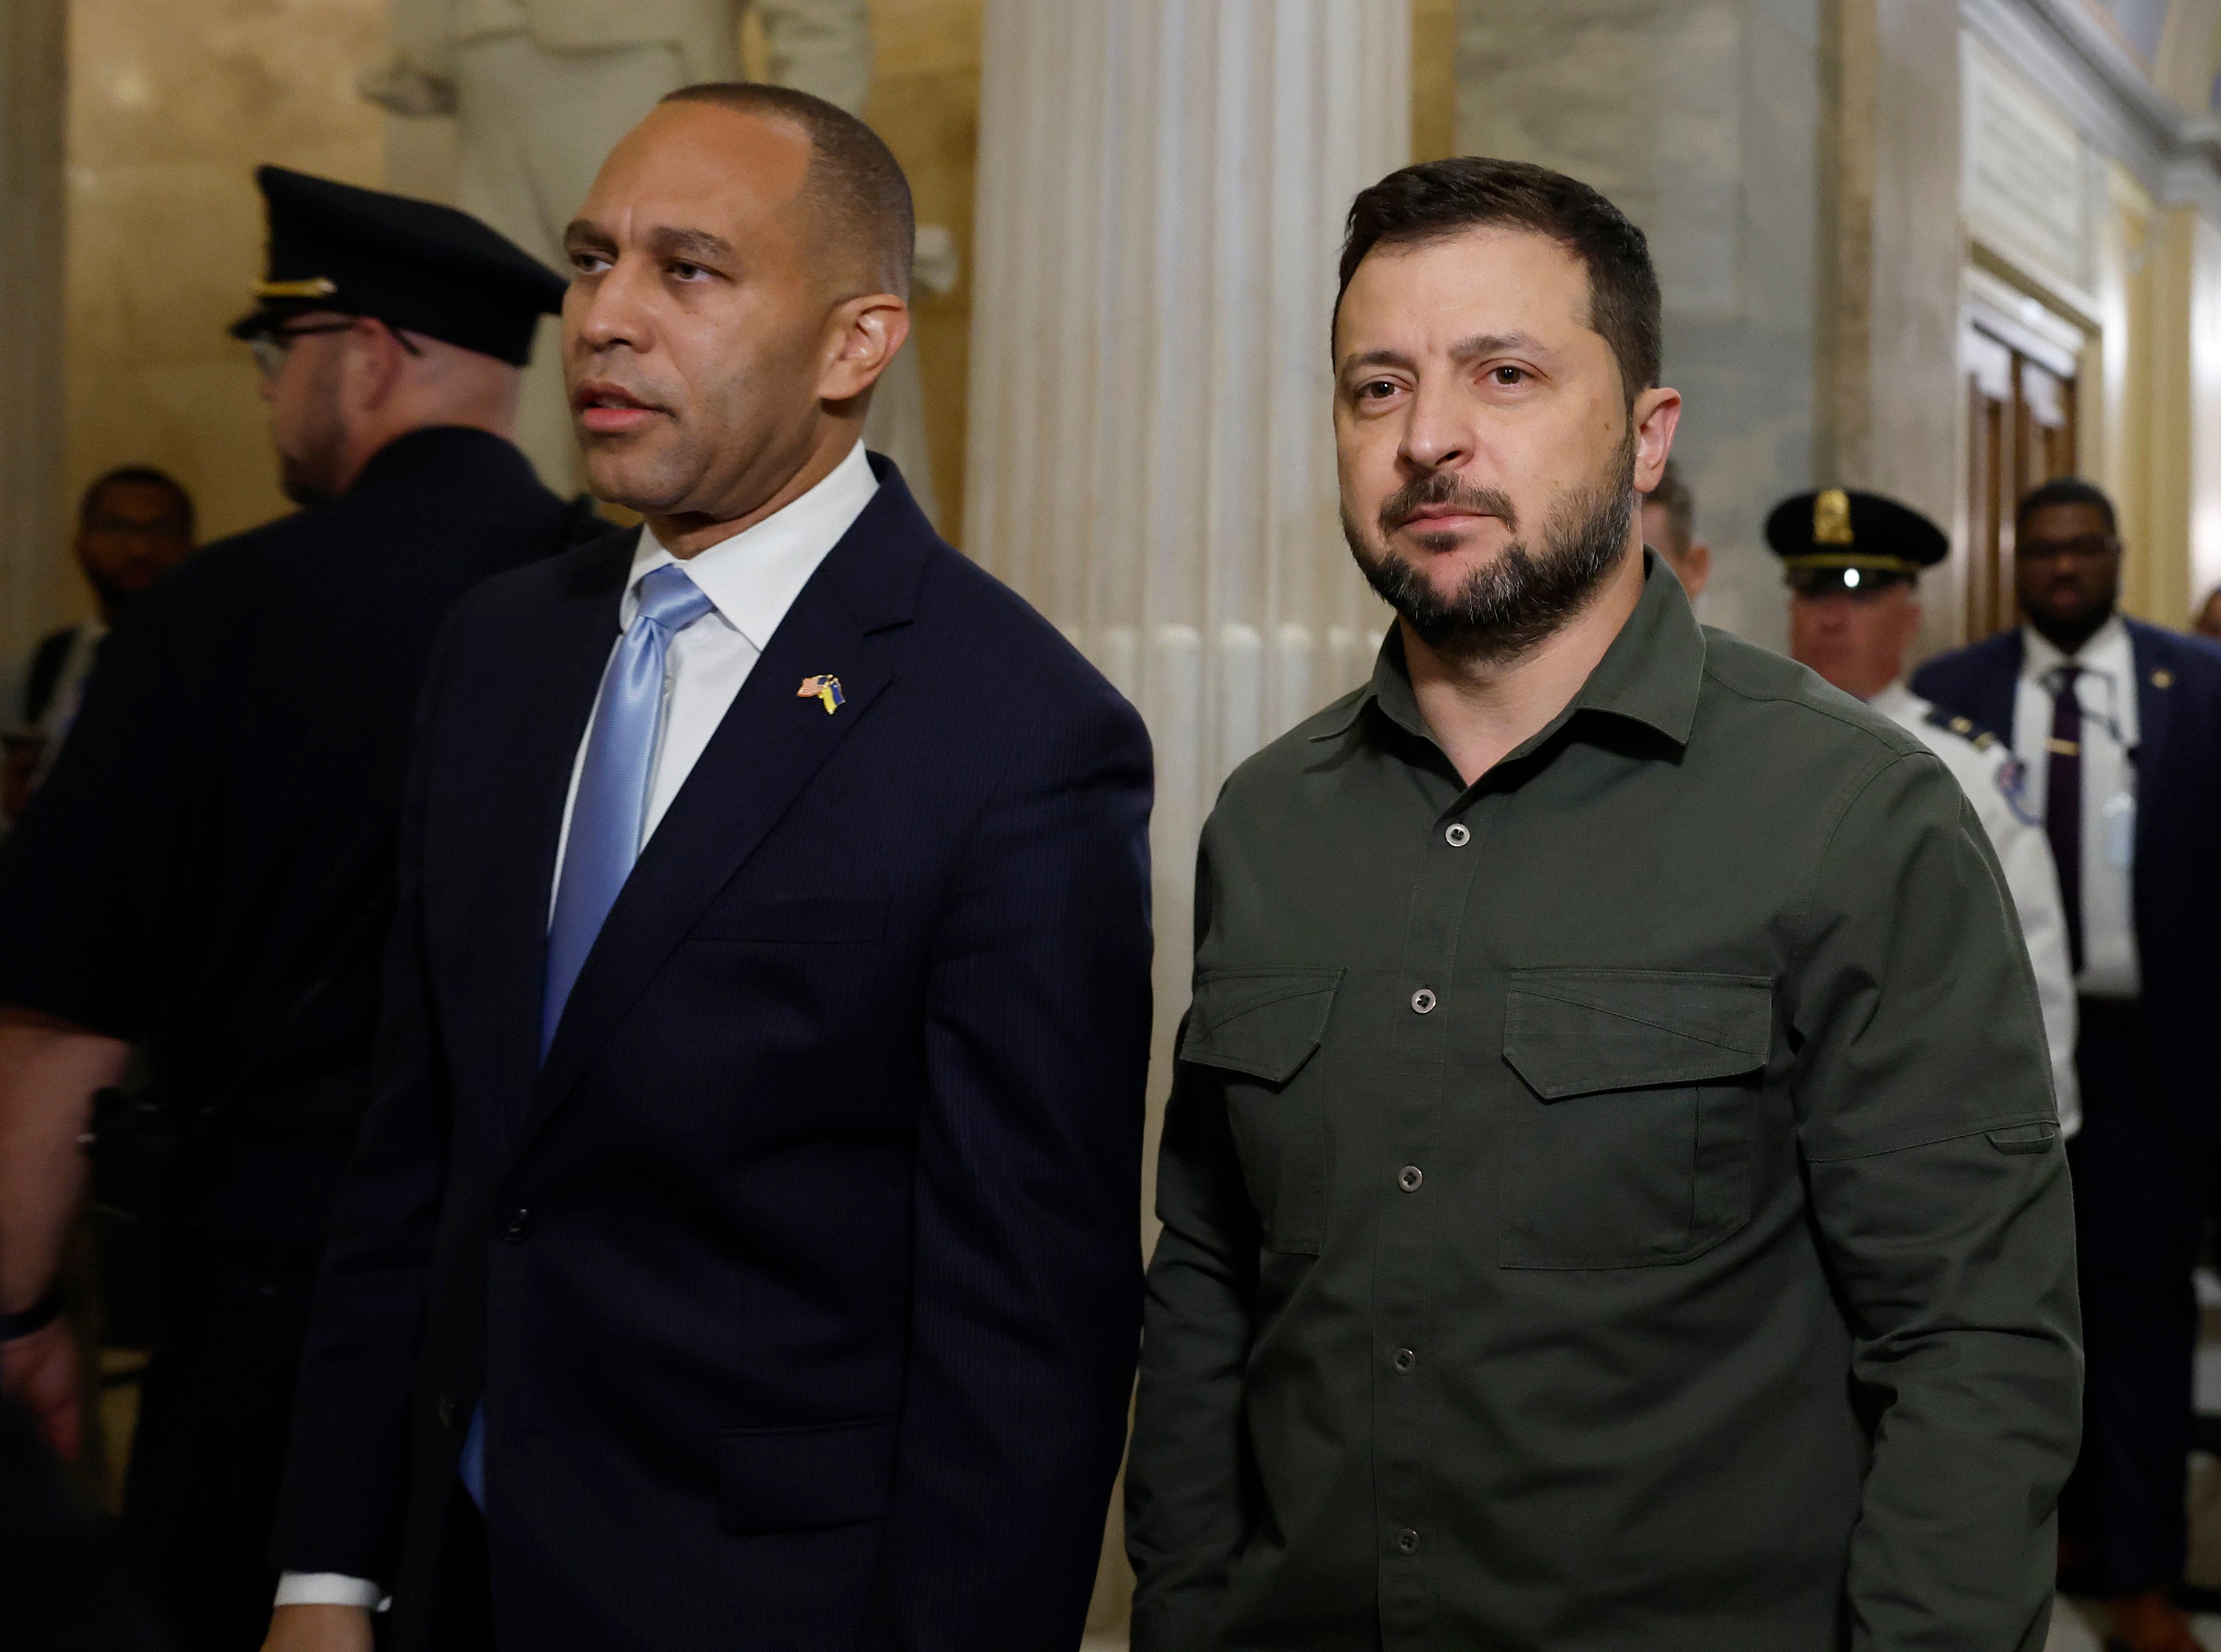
769,745
1995,710
557,676
2155,697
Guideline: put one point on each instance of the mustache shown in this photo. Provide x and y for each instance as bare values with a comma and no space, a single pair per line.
1444,488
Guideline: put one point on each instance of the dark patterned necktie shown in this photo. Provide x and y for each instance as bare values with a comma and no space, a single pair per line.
2062,803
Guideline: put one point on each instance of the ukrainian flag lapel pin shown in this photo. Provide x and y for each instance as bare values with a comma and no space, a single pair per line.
827,688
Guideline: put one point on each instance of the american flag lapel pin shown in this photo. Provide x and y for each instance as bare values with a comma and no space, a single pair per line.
827,688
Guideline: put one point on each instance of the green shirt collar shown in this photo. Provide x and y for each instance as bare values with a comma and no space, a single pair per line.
1650,674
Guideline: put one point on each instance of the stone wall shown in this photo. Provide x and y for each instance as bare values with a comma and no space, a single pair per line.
1700,118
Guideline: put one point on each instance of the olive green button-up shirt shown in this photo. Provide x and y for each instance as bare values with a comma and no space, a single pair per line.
1616,1205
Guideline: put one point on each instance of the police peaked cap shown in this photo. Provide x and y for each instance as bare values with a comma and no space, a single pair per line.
415,265
1839,538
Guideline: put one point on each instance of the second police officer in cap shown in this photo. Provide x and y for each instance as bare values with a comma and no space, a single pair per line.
206,875
1853,561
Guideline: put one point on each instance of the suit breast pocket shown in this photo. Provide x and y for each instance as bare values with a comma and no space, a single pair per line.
1632,1139
1260,1031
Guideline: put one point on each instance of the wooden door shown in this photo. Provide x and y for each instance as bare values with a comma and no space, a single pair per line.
2020,433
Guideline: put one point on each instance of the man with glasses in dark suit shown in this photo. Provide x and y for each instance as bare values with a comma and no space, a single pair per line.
2119,725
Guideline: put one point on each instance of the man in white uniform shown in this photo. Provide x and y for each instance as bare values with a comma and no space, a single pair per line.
1854,562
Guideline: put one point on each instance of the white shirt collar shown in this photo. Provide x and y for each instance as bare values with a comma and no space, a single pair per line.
753,577
2107,653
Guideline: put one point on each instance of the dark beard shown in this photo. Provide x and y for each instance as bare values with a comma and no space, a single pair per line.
1506,607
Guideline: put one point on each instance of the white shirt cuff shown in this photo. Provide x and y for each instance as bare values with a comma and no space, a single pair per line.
328,1589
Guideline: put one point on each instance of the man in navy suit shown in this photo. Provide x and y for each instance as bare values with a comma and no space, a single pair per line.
743,1251
2119,725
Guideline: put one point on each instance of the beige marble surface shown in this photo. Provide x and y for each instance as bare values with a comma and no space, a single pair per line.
173,103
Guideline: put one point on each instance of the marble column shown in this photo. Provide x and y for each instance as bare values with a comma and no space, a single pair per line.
33,88
1162,192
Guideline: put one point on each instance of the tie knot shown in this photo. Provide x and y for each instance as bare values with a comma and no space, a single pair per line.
670,599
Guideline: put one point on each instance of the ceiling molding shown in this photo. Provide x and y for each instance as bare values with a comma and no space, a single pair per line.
2065,50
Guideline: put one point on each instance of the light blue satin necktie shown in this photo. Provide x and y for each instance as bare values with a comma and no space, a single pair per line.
611,806
607,819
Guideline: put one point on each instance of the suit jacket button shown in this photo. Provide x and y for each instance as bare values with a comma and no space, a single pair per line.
444,1409
520,1224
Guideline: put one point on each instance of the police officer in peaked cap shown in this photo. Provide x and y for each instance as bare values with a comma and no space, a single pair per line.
206,875
1853,562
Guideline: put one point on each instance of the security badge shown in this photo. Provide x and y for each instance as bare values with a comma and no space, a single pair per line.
827,688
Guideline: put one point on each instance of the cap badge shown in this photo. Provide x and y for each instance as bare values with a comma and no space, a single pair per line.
827,688
314,287
1831,517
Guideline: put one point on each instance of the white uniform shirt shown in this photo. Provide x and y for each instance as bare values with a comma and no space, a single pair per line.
1996,785
752,578
2106,690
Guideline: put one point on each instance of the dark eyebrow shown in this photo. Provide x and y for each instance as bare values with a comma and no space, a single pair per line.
698,245
682,243
1376,358
584,231
1491,343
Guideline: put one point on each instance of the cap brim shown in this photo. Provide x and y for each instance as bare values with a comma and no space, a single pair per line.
1856,582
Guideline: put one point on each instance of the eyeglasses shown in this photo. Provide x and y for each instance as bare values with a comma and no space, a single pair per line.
2088,547
271,345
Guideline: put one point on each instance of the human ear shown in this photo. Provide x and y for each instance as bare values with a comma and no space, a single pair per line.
1655,414
372,367
863,335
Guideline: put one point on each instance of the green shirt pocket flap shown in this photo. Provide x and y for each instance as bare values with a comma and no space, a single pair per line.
1577,1031
1262,1022
2035,1137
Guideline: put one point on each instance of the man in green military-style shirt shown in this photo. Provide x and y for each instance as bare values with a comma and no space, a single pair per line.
1570,1243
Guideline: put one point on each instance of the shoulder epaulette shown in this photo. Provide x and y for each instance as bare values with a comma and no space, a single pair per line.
1965,728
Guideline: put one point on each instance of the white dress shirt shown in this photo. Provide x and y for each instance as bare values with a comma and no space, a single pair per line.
2106,690
1996,785
752,579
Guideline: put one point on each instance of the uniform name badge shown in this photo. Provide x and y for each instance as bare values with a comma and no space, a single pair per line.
2120,816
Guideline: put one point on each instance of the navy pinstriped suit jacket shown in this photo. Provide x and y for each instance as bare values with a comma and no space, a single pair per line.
2178,849
801,1282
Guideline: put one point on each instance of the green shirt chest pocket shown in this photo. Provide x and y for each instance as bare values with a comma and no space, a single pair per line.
1259,1030
1631,1143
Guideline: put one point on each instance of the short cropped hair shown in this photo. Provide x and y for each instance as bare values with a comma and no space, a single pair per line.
856,186
1437,199
144,476
1672,496
2065,490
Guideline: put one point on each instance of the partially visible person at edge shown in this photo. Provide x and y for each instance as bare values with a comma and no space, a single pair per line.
2208,621
745,1246
134,525
207,872
2118,724
1852,562
1669,527
1569,1242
